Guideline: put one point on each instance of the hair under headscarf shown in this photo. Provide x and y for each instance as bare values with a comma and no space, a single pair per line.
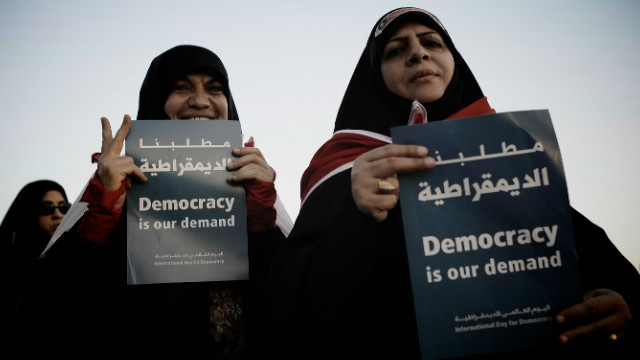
369,105
173,64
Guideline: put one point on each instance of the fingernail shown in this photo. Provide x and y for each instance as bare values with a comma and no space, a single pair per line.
422,151
430,161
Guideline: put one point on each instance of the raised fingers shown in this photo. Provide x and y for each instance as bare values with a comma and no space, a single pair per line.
106,134
114,147
113,169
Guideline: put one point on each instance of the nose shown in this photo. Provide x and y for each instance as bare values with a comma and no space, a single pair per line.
418,54
199,99
57,214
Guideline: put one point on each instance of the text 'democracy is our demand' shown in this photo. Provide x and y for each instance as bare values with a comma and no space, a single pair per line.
186,223
489,234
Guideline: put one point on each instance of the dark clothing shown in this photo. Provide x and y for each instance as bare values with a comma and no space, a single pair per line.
22,241
340,285
78,304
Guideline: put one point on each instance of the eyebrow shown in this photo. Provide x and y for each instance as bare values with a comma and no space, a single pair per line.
422,34
47,202
187,80
214,80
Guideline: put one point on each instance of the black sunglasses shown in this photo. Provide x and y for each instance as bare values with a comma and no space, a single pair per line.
50,209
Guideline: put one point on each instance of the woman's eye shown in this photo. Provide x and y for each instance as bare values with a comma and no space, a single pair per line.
431,44
215,89
391,53
179,87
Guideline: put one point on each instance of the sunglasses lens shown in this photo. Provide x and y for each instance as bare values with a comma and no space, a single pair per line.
44,210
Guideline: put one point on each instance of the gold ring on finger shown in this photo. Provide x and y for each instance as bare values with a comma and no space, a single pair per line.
385,187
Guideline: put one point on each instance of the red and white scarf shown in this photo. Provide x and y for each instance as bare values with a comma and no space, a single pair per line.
339,152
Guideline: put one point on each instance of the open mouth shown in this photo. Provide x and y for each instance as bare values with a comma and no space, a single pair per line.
196,118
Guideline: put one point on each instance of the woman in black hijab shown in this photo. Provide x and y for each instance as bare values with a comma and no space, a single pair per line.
164,73
340,285
173,64
26,229
206,319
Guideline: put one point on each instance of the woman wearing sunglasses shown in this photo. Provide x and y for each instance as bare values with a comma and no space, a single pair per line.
26,229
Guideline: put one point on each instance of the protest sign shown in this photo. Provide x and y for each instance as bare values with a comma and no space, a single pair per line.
187,223
489,234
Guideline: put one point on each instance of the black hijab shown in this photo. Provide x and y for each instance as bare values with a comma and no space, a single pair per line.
20,223
369,105
22,241
168,67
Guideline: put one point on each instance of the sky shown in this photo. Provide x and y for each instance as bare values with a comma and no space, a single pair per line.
64,64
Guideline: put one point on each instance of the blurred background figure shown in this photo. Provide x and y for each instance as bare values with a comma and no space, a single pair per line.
33,217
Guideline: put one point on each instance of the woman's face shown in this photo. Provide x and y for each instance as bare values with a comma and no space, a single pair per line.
50,222
417,64
196,97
